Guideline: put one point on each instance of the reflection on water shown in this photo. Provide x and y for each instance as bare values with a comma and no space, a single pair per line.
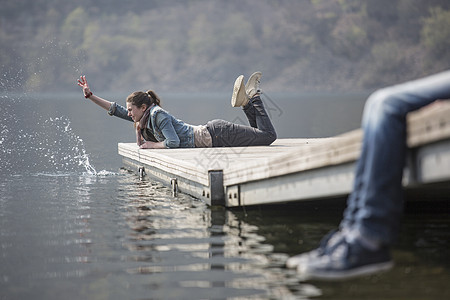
186,250
116,236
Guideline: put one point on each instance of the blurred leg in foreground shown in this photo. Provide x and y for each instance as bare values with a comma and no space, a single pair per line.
372,218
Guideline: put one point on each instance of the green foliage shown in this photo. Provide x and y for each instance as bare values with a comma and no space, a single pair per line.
198,45
436,34
388,58
350,38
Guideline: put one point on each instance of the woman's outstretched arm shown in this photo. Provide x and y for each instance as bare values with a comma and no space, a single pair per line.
112,107
89,95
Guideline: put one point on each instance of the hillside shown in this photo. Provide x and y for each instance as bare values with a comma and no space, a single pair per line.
201,45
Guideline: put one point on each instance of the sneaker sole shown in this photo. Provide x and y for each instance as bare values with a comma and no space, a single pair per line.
343,275
239,97
331,239
297,260
251,82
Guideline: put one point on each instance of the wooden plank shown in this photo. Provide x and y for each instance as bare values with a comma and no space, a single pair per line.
432,163
158,158
311,184
429,124
313,154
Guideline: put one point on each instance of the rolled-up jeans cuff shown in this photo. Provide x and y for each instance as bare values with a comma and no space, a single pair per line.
112,109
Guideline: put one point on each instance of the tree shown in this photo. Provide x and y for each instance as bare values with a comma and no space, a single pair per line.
435,34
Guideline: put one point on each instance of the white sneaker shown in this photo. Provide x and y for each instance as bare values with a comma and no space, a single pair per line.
239,97
252,88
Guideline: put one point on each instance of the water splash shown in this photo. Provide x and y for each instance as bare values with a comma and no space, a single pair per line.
78,149
30,140
32,143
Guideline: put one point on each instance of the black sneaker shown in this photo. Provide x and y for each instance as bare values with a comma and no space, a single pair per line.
328,242
346,261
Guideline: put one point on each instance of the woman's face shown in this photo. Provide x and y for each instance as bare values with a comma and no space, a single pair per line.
135,112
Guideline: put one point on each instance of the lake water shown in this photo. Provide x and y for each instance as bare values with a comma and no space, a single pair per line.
74,225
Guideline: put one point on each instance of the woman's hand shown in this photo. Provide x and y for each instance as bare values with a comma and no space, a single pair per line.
84,84
153,145
97,100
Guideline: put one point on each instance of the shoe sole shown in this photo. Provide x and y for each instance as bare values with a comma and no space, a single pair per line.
251,81
331,239
239,97
349,274
297,260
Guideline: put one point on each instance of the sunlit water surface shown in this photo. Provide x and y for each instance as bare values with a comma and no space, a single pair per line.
73,225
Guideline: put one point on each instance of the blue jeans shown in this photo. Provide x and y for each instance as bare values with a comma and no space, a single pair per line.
260,132
375,206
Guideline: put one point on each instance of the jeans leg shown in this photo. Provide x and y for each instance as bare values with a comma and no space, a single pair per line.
262,118
250,112
352,201
376,203
227,134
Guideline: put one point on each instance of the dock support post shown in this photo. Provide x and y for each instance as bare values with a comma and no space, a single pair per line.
216,187
174,184
142,173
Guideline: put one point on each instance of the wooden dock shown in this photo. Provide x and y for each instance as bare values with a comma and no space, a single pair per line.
293,169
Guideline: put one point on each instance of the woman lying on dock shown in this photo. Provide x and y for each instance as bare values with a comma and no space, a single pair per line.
156,128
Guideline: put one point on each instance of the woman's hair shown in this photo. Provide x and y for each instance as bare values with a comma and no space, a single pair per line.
140,98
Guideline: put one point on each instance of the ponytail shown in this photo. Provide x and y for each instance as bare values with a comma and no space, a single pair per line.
140,98
154,98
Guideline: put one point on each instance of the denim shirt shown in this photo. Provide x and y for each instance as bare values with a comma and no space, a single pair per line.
166,128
